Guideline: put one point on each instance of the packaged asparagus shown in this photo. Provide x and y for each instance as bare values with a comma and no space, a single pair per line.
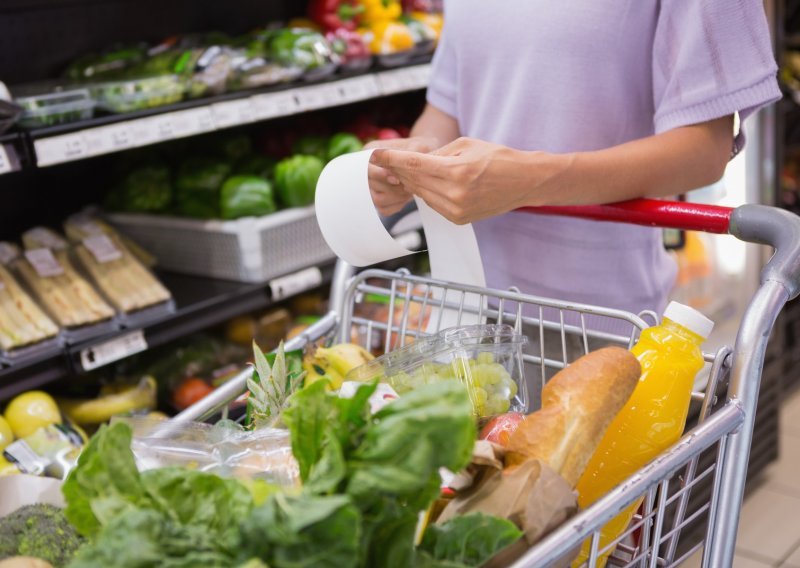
22,322
127,284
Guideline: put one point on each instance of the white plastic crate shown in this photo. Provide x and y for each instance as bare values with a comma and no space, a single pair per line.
251,249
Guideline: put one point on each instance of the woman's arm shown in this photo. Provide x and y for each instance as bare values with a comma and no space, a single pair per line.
469,179
432,130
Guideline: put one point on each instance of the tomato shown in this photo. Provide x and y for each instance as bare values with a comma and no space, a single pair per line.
500,428
190,391
388,134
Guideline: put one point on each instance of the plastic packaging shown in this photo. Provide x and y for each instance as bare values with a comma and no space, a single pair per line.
48,104
129,95
50,451
22,322
486,358
121,278
305,49
224,449
654,417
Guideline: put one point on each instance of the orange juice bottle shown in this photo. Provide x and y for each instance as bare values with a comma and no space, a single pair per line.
654,417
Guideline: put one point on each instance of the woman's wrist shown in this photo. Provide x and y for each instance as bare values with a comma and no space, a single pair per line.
546,178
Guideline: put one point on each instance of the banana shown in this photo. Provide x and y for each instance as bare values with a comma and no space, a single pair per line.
343,357
316,371
99,410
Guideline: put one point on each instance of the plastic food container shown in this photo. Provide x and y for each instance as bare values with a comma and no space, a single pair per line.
49,105
486,358
139,94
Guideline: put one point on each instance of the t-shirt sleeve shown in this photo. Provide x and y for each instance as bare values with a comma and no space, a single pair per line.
711,58
442,84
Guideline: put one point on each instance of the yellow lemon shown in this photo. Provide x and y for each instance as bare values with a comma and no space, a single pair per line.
7,468
6,435
30,411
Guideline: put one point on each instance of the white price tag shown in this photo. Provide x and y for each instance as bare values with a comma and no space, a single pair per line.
5,163
60,149
293,284
107,139
102,248
358,88
231,113
390,83
145,131
321,96
113,350
44,263
46,238
8,253
271,105
193,121
165,130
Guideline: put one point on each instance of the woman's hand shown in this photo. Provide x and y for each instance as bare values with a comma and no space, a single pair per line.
468,179
387,191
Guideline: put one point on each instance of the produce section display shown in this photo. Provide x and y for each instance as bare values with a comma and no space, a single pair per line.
345,36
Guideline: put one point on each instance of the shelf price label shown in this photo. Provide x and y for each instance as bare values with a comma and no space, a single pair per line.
5,162
271,105
232,113
321,96
113,350
293,284
108,139
192,121
151,130
60,149
358,89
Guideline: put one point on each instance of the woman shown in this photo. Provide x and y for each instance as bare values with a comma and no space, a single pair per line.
538,102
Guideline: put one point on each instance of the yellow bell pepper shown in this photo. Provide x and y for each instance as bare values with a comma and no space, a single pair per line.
390,37
433,21
380,11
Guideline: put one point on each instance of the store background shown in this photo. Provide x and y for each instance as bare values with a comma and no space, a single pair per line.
39,37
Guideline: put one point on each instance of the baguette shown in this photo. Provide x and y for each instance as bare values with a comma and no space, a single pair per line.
578,405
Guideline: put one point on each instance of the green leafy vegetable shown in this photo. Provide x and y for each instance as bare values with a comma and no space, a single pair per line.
469,540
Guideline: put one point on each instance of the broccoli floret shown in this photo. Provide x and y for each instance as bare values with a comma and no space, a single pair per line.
41,531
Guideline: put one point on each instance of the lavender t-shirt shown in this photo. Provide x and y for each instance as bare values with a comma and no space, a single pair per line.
580,75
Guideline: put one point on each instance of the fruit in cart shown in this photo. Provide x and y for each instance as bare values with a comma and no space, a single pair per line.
111,402
343,143
6,434
246,196
342,358
316,372
499,429
296,180
30,411
190,391
270,387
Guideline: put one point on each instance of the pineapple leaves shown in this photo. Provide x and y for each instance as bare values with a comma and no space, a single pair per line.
269,388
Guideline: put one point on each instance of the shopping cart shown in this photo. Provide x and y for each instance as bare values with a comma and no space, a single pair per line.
713,453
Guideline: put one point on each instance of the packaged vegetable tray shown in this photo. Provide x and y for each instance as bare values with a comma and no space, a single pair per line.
128,95
487,358
49,104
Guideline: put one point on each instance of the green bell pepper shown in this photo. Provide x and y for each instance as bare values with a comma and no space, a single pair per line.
296,180
311,146
262,166
246,196
343,143
198,187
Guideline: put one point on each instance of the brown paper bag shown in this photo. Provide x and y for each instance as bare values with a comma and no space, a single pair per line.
531,495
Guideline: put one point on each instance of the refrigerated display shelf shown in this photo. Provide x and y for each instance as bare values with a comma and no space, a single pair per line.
115,133
200,303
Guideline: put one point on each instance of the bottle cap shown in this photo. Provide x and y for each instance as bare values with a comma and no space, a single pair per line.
689,318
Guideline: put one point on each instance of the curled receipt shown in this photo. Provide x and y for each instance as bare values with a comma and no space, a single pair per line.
353,229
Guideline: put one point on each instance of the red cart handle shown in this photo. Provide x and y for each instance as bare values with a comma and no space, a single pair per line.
650,212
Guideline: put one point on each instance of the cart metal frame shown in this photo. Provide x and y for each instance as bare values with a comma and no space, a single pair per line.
728,401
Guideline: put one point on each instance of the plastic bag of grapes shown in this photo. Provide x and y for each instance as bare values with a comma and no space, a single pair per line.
486,358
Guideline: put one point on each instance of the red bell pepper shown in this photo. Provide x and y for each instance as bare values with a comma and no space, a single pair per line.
335,14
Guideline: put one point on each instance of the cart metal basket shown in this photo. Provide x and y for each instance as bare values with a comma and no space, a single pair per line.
676,519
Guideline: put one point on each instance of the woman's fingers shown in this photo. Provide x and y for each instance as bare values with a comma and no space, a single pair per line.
410,163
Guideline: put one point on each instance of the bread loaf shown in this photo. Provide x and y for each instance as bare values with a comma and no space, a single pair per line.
578,405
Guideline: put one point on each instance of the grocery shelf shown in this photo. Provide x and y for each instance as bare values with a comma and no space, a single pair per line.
200,303
114,133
